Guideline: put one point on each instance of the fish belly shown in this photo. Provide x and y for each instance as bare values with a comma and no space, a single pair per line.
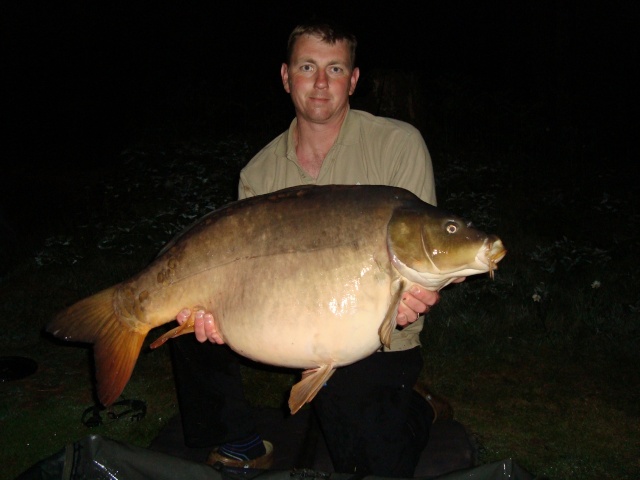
305,309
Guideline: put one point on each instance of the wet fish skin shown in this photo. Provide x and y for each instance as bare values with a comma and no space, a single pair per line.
306,277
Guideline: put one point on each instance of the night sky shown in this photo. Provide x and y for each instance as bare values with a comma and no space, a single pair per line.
82,79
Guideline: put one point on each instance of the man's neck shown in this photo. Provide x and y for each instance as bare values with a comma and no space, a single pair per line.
313,142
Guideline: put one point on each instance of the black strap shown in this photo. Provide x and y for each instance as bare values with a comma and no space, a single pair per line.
135,410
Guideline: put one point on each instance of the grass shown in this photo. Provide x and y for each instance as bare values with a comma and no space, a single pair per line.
540,364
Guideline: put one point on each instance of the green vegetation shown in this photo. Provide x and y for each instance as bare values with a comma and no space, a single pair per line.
540,364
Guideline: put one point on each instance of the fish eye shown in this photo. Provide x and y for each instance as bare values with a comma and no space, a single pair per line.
451,227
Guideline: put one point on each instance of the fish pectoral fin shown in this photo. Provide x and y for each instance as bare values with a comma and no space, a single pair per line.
187,327
306,389
389,323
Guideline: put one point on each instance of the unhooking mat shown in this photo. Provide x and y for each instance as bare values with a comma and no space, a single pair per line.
98,458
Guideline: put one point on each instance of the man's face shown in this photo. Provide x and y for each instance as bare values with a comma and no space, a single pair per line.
319,79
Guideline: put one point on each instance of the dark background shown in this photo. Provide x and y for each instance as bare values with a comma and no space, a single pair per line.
538,96
83,80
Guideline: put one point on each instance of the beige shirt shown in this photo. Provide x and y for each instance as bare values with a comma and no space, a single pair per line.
369,150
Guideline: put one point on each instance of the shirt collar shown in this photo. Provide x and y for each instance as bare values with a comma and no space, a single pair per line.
348,135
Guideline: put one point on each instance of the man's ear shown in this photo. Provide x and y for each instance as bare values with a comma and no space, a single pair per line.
284,74
355,75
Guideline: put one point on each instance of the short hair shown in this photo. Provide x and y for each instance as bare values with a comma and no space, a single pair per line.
327,33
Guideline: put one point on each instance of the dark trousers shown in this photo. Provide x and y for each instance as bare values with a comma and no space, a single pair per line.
212,404
371,419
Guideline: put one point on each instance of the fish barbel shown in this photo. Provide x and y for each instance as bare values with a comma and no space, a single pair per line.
307,277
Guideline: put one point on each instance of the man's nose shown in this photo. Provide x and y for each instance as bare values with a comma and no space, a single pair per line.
321,79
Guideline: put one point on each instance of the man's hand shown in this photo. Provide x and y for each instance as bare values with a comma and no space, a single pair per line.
414,302
203,324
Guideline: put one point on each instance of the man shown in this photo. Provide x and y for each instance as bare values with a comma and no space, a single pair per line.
371,416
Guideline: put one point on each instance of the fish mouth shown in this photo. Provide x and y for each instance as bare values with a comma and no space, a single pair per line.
493,251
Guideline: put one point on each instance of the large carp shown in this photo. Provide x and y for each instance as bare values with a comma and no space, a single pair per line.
306,277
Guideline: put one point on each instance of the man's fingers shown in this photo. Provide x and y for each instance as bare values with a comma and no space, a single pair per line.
412,305
427,297
204,325
210,329
183,316
198,326
415,302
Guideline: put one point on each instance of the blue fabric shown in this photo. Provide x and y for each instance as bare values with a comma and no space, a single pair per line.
246,448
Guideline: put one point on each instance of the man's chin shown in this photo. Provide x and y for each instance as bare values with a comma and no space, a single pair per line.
317,116
322,115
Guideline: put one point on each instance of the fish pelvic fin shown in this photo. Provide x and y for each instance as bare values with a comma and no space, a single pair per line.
306,389
187,327
116,344
389,323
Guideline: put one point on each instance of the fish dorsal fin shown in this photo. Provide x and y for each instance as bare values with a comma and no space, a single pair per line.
306,389
389,323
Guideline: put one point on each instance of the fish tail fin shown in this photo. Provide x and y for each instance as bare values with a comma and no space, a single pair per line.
306,389
116,344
